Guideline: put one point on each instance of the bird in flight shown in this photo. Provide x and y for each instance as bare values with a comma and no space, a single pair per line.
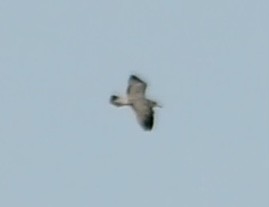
135,98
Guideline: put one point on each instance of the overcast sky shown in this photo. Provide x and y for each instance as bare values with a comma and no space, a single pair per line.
63,144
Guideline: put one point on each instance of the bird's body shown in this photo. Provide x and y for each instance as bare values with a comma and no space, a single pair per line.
142,106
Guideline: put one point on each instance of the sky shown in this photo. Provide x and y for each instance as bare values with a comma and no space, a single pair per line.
63,144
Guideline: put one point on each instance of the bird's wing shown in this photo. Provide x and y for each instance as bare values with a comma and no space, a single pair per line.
144,114
136,87
118,101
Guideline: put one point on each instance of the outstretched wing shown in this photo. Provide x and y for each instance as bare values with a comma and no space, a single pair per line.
136,87
118,101
144,114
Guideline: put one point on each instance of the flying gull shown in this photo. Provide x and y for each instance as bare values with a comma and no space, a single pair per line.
135,98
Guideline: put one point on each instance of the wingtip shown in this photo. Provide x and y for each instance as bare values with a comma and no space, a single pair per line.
148,129
134,77
148,123
113,99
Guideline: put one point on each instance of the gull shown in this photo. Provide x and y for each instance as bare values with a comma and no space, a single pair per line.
135,98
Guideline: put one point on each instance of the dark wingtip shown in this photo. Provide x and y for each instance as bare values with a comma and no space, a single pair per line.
148,123
112,99
134,77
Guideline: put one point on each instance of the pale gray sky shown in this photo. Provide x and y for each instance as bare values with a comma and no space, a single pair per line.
63,144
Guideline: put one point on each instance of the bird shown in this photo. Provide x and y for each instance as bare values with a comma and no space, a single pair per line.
142,106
